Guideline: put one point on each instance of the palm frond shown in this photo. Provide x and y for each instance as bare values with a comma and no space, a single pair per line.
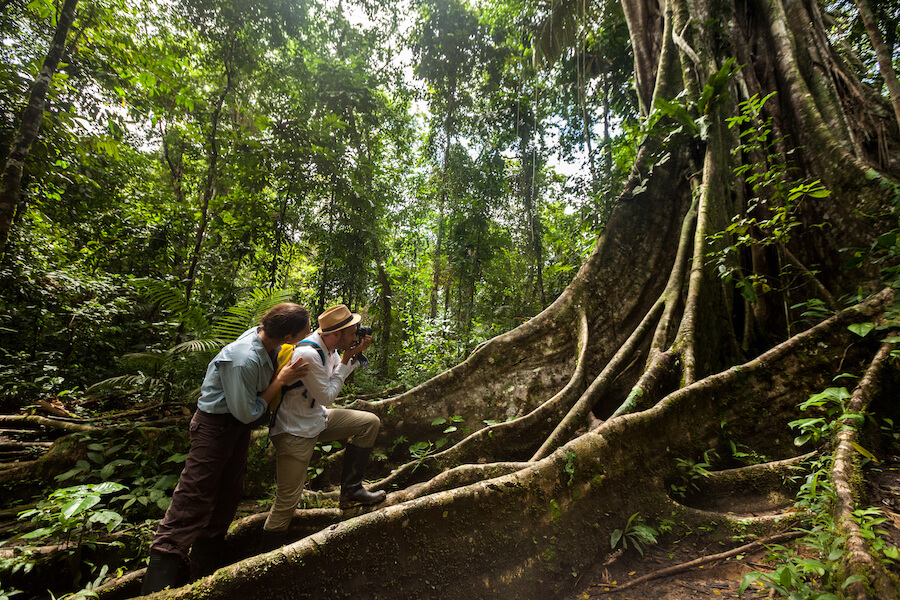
561,29
126,382
247,313
202,345
171,299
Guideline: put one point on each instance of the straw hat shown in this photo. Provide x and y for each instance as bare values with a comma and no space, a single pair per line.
337,318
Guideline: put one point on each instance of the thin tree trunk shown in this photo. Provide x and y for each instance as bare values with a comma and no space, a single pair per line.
176,171
279,234
323,281
445,176
607,144
209,190
386,318
30,124
585,116
883,53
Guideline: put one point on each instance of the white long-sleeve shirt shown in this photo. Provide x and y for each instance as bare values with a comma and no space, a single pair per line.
303,409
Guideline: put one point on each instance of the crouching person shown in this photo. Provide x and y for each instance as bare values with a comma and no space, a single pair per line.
305,418
240,383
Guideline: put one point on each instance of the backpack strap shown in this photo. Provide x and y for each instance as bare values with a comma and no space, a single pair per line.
298,383
288,350
316,346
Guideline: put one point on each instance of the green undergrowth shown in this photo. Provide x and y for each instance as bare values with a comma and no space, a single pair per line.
812,567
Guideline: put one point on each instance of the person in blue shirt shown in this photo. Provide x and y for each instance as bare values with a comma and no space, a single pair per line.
240,383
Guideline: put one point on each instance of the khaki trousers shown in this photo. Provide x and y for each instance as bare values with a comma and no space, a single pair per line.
292,454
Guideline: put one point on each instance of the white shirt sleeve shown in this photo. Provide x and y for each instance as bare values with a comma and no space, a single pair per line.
324,382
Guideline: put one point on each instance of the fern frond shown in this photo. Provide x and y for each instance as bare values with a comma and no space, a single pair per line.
204,345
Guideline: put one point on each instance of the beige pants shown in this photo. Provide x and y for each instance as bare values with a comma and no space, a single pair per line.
292,454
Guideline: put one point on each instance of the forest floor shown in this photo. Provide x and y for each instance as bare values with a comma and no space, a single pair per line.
719,578
613,577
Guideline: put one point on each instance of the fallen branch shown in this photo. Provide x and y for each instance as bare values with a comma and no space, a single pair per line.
775,539
34,421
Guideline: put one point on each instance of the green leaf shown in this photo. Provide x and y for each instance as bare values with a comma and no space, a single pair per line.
108,487
864,452
835,555
68,474
861,329
109,518
679,113
38,533
852,579
746,580
614,538
79,505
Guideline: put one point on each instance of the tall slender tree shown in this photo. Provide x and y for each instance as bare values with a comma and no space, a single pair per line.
30,123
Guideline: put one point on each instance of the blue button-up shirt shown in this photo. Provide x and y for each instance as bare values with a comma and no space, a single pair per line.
235,378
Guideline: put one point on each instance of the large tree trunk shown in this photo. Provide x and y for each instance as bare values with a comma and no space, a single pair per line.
647,337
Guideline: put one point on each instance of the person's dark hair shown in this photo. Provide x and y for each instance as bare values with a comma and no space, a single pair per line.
285,319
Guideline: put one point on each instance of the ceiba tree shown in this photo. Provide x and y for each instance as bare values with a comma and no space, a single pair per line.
691,326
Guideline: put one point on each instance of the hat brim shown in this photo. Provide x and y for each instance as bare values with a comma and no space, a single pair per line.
356,318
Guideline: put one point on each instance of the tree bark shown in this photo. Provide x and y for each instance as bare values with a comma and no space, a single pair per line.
883,54
30,124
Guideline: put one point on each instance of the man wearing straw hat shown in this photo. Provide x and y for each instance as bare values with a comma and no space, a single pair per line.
305,417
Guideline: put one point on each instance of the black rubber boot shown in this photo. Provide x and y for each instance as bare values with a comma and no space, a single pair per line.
164,571
271,540
352,471
207,555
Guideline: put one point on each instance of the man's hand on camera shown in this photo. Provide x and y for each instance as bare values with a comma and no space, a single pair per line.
359,348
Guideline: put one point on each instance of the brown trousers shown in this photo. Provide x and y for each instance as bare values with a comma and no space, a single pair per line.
211,485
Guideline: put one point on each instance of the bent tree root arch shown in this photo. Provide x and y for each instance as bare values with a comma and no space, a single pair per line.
647,337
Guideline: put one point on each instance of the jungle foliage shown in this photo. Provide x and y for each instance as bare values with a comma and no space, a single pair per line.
447,168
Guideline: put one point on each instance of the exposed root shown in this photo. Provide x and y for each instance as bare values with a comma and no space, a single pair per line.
642,394
457,477
577,415
845,471
765,487
502,440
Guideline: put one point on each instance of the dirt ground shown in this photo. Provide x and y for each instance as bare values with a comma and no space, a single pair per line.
722,578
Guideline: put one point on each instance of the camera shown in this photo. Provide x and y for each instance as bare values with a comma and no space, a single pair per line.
361,332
